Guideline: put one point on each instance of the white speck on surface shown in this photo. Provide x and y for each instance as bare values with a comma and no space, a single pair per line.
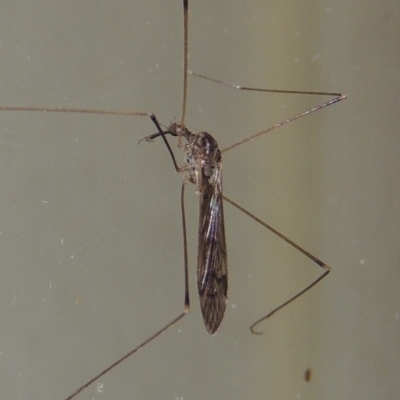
100,387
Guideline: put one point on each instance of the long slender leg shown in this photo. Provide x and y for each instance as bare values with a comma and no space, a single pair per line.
336,98
185,63
102,112
165,327
320,263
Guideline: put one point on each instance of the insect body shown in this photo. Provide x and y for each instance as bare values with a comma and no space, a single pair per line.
203,167
203,159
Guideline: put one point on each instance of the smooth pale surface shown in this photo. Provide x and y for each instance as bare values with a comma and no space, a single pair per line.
90,244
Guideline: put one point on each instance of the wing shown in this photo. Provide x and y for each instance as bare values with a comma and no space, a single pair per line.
212,278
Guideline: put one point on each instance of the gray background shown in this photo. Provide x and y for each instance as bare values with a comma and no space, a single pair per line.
90,243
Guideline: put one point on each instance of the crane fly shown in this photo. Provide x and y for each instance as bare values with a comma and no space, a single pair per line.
203,168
